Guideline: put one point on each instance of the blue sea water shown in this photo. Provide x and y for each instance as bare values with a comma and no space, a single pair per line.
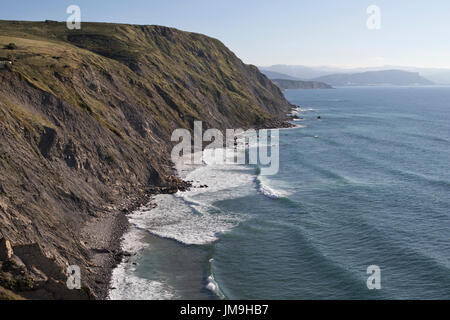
367,184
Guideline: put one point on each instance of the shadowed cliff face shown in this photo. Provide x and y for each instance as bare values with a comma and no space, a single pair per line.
85,124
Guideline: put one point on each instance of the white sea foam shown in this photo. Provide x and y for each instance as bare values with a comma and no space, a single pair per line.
174,219
125,285
269,192
306,109
211,284
133,241
218,178
296,111
190,217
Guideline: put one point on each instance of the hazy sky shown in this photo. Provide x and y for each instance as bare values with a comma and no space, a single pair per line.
298,32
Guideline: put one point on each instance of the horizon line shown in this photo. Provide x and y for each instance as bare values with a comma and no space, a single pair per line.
350,67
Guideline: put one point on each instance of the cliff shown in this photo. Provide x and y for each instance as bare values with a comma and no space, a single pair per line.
85,123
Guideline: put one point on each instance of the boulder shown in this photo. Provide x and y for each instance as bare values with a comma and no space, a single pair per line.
6,251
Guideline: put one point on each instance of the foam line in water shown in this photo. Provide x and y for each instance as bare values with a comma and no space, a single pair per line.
127,286
212,285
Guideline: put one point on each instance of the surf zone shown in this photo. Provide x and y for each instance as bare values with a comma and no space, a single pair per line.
256,147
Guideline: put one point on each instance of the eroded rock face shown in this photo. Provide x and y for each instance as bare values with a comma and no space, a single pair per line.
47,141
34,275
33,256
57,290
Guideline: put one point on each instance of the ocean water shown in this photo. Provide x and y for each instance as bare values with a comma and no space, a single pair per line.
368,184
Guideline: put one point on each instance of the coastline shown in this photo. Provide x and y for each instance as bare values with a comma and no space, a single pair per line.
148,203
103,235
131,241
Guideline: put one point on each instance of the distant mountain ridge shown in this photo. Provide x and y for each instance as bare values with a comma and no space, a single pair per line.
300,84
299,72
375,78
436,75
284,81
277,75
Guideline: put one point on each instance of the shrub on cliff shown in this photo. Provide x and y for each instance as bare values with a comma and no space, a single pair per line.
11,46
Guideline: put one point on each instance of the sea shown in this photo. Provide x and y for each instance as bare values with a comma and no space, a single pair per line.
367,184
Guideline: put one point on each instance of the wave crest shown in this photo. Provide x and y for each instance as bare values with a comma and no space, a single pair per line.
267,191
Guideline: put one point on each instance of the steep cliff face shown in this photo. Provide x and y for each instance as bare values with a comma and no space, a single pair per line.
85,124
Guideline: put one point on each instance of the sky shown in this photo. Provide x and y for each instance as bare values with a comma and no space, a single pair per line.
295,32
